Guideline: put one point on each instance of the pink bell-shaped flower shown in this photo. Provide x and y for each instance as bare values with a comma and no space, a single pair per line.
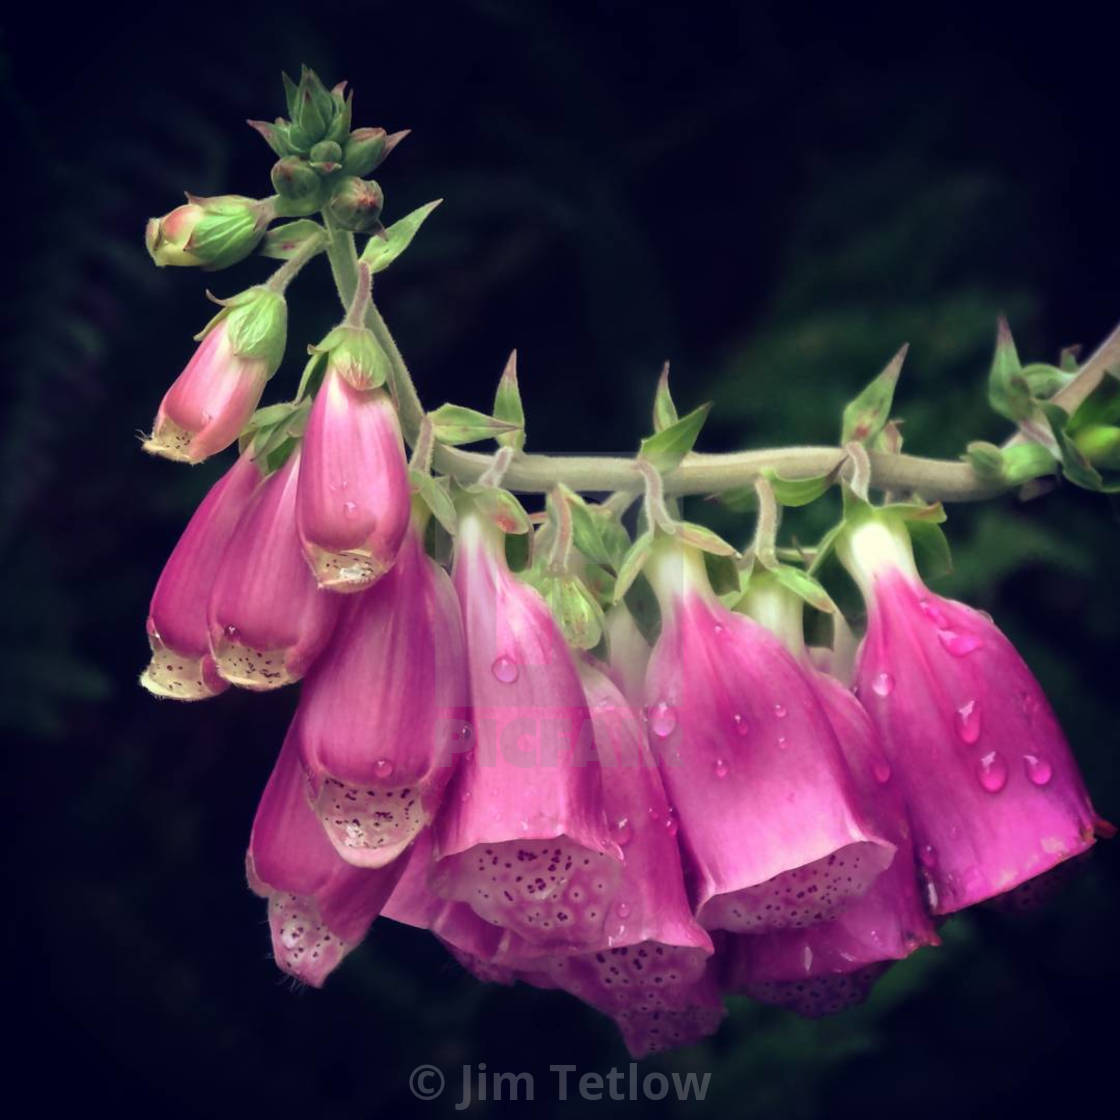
216,394
384,710
319,906
268,620
182,666
522,835
993,793
776,832
354,504
650,971
810,968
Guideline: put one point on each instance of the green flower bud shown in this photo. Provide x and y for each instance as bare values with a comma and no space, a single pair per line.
294,179
356,203
326,152
211,233
364,150
1100,444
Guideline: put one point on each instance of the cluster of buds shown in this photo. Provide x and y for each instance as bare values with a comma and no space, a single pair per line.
583,757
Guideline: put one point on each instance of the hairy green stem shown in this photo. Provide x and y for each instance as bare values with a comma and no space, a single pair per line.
934,479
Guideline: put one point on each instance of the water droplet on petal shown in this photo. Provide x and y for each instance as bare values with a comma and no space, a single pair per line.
881,769
933,612
671,825
350,509
383,768
623,910
721,767
232,632
993,772
927,853
505,669
717,629
662,720
967,721
741,725
959,644
780,711
782,743
623,831
883,684
1038,769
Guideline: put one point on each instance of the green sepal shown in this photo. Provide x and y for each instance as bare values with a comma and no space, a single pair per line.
931,548
986,460
864,417
1075,466
701,537
724,574
1067,359
381,251
434,493
312,107
230,228
283,242
500,507
508,407
1044,380
1101,406
274,134
632,564
794,492
454,424
257,325
339,128
804,586
666,449
1008,391
1024,461
574,607
664,410
587,534
273,433
357,355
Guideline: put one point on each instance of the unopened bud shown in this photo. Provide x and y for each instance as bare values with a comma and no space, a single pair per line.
294,179
326,151
208,232
356,203
364,150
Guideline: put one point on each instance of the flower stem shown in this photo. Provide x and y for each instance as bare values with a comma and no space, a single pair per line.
942,480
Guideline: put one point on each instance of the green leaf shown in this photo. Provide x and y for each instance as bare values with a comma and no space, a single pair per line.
508,407
281,243
434,493
931,548
632,564
382,249
454,424
587,533
664,410
668,447
1044,380
864,417
805,587
1101,406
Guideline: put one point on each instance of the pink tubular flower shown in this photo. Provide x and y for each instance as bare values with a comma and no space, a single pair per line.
992,790
181,665
267,619
214,397
650,971
319,906
384,708
774,827
811,970
353,490
522,835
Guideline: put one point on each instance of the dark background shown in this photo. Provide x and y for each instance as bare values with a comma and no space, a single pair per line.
775,200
